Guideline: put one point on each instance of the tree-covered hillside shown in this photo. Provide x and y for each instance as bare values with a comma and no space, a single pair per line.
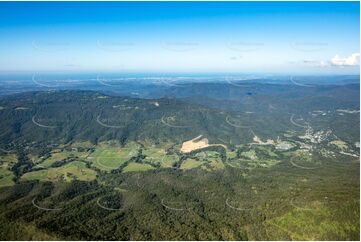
82,165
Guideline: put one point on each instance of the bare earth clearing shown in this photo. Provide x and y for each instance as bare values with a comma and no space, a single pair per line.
196,144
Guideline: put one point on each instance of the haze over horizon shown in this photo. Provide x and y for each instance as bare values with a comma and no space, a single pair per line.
202,37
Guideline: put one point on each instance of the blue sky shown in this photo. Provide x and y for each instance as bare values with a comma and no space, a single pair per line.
245,37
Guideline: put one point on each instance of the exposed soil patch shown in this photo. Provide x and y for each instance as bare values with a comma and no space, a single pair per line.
196,144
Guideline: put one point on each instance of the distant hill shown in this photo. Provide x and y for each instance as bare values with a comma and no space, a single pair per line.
64,116
216,111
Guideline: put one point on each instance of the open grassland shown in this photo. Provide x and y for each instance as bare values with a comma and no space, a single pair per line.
6,176
74,170
190,164
252,164
134,167
157,155
266,151
211,160
279,203
82,144
8,158
59,156
261,198
216,164
339,144
109,157
231,154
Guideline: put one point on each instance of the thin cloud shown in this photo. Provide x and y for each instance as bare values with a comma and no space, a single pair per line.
336,61
352,60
